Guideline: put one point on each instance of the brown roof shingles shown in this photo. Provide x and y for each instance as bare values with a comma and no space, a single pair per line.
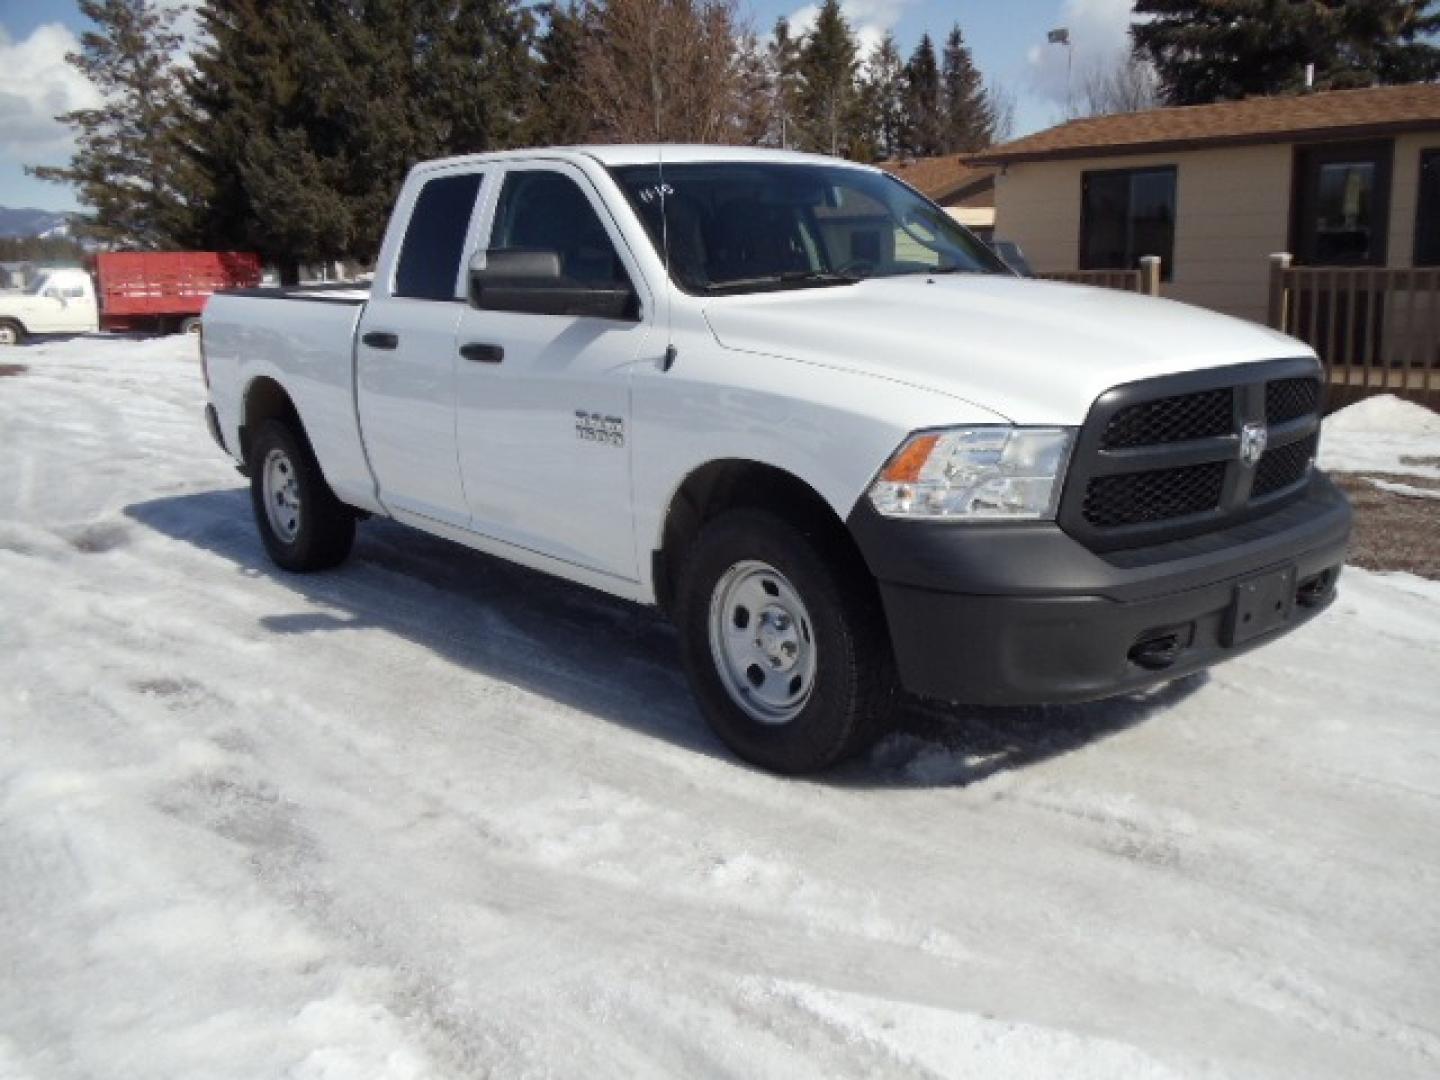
946,177
1377,110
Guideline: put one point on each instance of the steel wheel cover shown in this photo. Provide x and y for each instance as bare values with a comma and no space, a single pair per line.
281,490
762,642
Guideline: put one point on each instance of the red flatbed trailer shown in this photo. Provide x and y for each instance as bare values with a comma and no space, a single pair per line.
167,290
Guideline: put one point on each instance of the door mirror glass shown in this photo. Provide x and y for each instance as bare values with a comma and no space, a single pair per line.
532,281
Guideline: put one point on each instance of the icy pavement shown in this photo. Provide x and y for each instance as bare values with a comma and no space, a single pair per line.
432,816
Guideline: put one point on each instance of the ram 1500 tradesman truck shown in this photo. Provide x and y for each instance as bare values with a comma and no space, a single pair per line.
789,401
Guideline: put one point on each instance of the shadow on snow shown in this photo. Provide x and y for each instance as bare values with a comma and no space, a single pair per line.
600,655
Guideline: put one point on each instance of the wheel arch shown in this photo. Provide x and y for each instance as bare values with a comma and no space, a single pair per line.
265,399
726,484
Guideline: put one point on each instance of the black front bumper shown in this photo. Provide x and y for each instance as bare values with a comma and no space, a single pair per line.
1024,614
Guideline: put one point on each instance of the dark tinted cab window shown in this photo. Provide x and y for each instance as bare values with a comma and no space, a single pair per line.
430,257
545,211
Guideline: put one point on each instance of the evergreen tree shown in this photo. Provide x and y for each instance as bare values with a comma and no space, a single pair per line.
311,111
883,95
828,64
755,113
43,250
922,133
782,57
561,113
967,121
1216,50
129,164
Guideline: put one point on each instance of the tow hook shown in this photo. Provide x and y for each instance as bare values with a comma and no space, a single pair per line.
1156,652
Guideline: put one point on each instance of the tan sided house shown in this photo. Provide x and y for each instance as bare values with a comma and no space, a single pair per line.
1348,178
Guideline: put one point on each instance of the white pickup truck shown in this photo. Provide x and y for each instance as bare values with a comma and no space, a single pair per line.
60,301
789,401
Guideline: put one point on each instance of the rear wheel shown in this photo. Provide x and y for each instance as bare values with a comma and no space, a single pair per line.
11,333
190,325
303,525
785,648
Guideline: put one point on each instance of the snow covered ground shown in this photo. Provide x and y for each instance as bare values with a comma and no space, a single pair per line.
433,816
1383,434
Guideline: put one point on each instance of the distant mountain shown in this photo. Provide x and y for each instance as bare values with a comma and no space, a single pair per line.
27,221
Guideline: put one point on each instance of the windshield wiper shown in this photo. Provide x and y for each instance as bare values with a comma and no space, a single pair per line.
788,280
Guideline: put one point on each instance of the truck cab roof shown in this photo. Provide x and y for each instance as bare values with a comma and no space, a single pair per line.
647,153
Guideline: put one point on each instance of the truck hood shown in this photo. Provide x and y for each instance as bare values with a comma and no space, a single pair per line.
1034,352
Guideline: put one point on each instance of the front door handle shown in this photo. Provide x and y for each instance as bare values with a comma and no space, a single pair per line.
482,354
379,339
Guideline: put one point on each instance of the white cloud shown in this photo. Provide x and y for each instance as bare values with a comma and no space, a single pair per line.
36,85
1099,29
869,19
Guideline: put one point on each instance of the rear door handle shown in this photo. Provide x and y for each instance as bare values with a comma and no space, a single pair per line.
482,354
379,339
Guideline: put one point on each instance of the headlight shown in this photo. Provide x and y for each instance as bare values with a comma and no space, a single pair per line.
975,473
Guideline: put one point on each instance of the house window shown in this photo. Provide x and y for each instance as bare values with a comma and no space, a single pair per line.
1427,211
1127,213
1342,204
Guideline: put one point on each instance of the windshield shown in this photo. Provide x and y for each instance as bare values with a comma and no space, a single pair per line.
748,227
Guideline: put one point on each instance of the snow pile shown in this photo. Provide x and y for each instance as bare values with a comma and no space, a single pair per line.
429,815
1382,434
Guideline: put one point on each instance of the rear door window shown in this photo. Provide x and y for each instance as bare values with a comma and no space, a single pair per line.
429,263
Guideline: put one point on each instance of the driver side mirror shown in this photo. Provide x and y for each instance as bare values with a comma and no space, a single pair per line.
532,281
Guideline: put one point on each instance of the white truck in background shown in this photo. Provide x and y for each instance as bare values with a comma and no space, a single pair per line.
60,301
792,403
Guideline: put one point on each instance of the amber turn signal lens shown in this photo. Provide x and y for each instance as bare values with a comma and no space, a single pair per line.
905,467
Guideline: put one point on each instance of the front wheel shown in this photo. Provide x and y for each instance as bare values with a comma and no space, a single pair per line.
784,644
11,333
303,525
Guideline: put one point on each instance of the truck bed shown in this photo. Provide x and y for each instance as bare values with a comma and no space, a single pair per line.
339,293
302,337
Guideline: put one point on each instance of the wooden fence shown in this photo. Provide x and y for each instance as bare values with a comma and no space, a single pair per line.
1377,329
1145,280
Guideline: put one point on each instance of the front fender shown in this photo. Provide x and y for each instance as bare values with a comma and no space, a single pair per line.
830,428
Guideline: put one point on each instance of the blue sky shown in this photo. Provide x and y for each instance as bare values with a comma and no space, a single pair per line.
1006,36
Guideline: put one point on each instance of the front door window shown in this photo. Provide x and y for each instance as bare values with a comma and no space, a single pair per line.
1342,212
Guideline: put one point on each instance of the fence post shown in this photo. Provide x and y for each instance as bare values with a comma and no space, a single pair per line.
1277,312
1150,275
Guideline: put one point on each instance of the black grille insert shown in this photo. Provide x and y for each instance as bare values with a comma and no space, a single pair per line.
1283,466
1158,495
1159,459
1172,419
1290,399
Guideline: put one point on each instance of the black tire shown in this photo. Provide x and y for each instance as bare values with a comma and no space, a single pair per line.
853,686
324,527
15,333
190,325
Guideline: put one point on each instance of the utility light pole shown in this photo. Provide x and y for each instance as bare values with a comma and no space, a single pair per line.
1061,36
